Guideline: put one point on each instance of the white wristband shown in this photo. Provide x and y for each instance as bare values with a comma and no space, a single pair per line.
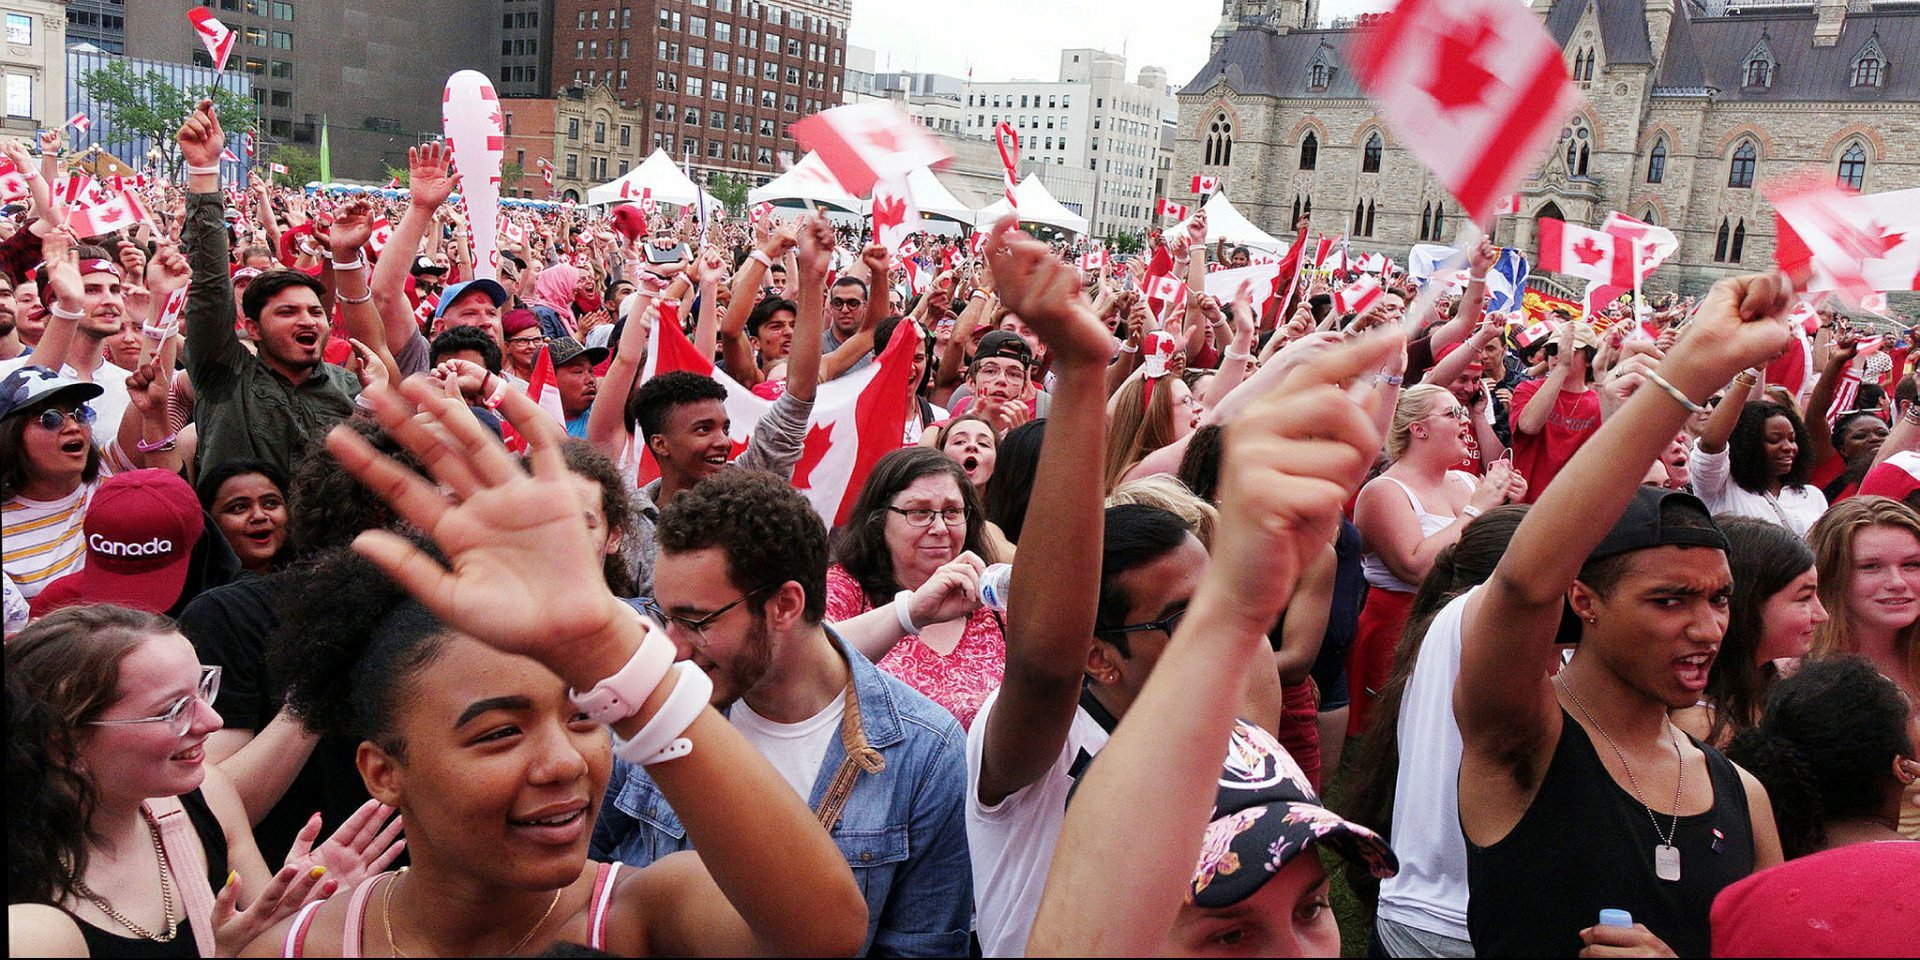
64,313
1230,355
618,697
1126,347
212,169
900,611
661,738
761,255
1470,511
356,264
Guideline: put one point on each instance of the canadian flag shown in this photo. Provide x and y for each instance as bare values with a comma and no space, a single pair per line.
542,387
1508,205
864,142
382,232
1373,263
917,277
1829,239
1167,208
1592,255
79,122
1205,184
856,419
168,323
13,181
118,212
1094,260
279,168
246,143
423,312
1532,334
214,34
1358,296
1164,286
1474,88
895,217
760,211
975,242
1652,246
512,234
226,156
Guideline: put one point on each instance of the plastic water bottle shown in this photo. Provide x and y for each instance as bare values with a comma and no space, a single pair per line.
993,586
1616,918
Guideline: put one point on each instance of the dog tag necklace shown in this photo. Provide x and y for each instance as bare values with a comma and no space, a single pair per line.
1666,856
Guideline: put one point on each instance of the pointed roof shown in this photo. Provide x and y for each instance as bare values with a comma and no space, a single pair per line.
1224,222
1623,28
809,182
932,198
1036,206
658,174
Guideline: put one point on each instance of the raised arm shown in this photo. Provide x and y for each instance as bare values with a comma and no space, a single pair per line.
1820,401
607,422
953,359
860,344
1533,417
1056,585
1126,856
1504,699
346,233
1472,300
429,183
815,251
710,271
213,352
736,349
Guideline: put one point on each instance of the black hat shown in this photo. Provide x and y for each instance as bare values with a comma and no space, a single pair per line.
1641,525
1004,343
563,349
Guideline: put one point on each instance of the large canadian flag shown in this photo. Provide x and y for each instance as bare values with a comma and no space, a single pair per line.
1474,88
1595,256
214,34
1829,239
895,217
864,142
856,420
115,213
1652,246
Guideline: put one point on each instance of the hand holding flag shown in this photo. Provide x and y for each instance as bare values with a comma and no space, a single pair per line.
215,35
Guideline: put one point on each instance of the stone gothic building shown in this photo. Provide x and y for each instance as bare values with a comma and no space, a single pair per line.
1691,106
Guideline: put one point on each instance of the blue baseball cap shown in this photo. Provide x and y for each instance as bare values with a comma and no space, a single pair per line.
493,290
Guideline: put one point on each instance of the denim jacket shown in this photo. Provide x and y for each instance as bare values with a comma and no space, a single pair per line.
902,831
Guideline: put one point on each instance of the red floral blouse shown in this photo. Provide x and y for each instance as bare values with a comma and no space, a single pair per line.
959,681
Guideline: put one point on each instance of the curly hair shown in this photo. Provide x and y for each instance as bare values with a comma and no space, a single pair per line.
765,528
1015,462
860,545
615,505
63,671
1824,748
1747,462
351,642
1765,558
326,506
649,406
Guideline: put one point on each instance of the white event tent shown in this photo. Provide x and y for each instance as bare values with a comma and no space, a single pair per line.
808,182
658,177
1225,222
1036,206
932,198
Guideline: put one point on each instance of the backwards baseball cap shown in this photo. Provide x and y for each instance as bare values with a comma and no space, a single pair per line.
425,264
564,349
1660,518
1004,343
1266,814
141,528
30,384
493,290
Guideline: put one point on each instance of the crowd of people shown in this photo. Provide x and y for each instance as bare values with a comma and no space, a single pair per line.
329,633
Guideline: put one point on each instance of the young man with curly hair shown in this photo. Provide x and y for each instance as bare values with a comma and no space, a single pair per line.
741,580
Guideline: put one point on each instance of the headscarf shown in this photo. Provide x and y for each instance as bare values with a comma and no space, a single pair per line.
554,288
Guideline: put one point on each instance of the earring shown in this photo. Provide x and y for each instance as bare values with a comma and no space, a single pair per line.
1591,619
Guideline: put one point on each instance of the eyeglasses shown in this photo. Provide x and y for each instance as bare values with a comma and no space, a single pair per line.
695,630
922,517
529,340
1455,412
179,717
846,303
53,418
1164,624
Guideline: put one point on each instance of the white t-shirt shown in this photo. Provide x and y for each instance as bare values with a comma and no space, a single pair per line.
1430,891
1012,842
17,611
1796,508
45,539
796,750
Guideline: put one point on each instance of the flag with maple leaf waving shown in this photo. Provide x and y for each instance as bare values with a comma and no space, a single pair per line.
13,181
895,217
864,142
1474,88
856,419
1831,239
1598,257
216,36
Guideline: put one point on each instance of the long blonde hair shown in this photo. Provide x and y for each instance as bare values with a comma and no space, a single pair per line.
1139,425
1832,539
1416,404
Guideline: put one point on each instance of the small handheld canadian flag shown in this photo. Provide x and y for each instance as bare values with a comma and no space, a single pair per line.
226,156
1093,260
1359,295
393,183
864,142
760,211
79,122
1164,287
214,34
279,168
99,219
382,232
1205,184
13,183
1167,208
1508,205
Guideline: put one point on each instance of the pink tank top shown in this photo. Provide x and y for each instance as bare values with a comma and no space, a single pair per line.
357,914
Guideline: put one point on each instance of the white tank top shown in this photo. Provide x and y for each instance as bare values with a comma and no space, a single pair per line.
1375,569
1430,891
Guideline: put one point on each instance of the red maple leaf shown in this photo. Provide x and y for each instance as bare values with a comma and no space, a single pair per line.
1458,79
883,138
1588,252
819,441
888,211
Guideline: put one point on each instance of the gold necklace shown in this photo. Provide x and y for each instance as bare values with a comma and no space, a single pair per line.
386,918
166,893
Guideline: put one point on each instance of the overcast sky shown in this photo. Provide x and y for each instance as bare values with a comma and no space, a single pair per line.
1022,39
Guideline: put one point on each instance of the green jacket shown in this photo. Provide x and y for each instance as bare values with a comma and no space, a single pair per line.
244,409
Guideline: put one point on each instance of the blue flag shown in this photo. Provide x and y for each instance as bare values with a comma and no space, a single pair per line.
1507,281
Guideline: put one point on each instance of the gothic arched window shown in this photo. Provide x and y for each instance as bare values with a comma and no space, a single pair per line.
1853,167
1309,151
1657,162
1740,172
1370,155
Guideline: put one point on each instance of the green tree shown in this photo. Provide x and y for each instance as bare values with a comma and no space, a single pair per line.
510,174
399,174
1127,243
728,189
147,106
303,166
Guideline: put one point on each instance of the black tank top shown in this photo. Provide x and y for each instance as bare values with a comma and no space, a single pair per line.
1585,844
105,943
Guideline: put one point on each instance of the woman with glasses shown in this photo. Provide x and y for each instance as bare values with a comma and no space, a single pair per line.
918,528
1414,509
143,846
524,340
49,468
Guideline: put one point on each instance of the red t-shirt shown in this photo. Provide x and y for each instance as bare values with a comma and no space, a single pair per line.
1539,456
